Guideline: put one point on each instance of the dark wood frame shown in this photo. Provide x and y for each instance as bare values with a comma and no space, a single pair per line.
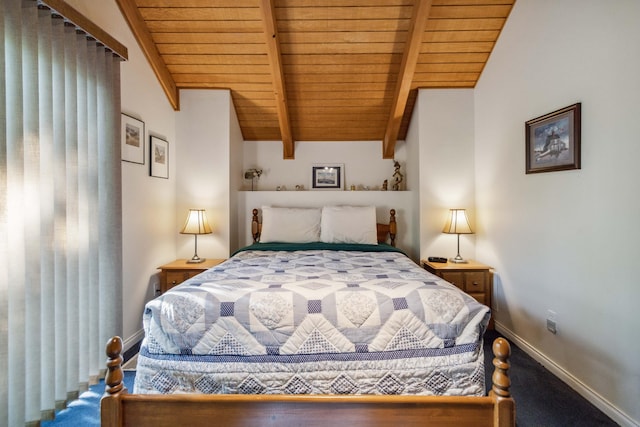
535,131
386,232
118,408
154,140
128,155
339,185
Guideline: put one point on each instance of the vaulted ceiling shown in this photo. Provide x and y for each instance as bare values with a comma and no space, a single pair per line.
317,70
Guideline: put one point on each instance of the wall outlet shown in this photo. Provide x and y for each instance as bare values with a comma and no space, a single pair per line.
552,319
156,287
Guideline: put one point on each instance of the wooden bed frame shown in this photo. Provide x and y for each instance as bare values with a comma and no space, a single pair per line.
118,408
386,232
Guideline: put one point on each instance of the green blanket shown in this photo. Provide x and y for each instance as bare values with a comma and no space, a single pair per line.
314,246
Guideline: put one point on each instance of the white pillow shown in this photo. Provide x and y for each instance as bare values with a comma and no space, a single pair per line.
349,224
293,225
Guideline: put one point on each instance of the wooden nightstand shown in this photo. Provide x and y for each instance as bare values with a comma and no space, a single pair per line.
178,271
472,277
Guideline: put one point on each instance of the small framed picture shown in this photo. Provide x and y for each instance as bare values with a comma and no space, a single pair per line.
132,146
159,150
327,176
553,141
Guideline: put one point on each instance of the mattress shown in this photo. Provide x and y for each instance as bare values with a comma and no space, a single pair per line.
333,320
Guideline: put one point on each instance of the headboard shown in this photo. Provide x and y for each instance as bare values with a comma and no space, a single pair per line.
386,232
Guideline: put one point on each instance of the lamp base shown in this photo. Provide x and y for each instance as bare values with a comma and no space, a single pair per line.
196,260
458,260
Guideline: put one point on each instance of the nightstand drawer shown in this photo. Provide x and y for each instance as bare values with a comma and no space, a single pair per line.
178,271
482,298
176,277
455,277
475,281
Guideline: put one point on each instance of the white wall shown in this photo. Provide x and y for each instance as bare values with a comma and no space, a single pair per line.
364,166
566,241
445,119
412,147
363,162
148,204
236,177
203,169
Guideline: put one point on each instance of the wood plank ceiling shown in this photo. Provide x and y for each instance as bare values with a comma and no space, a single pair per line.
318,70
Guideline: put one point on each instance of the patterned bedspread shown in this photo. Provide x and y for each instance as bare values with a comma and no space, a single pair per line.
318,321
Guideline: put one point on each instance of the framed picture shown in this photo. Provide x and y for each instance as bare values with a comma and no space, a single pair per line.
159,150
132,146
327,176
553,141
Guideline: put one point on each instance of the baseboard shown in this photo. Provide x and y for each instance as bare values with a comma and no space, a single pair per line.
132,340
131,345
585,391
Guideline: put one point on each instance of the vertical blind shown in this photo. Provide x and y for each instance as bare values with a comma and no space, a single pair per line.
60,210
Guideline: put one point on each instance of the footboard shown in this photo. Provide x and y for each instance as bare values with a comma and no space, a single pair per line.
119,408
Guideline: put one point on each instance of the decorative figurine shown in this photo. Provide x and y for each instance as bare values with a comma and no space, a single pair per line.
252,174
398,176
384,185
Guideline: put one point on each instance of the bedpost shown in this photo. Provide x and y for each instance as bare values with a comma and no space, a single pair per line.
392,227
504,412
255,226
114,378
110,406
500,378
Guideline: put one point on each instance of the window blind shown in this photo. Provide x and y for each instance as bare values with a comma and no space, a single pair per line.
60,208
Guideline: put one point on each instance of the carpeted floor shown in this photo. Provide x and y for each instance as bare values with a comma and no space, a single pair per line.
542,400
85,411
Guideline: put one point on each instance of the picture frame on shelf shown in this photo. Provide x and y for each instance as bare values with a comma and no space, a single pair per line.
159,161
327,176
132,139
552,141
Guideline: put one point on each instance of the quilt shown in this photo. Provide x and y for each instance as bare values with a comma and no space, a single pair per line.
314,321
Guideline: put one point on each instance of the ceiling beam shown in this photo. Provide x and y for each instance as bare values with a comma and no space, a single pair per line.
416,30
275,61
143,36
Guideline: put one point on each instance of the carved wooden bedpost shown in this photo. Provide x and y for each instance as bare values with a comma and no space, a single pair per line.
255,226
505,409
110,408
392,227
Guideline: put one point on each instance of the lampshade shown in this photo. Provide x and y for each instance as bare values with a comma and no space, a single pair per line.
196,223
457,223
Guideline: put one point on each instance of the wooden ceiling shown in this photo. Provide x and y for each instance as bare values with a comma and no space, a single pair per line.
318,70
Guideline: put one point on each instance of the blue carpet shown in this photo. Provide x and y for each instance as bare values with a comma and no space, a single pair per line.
85,411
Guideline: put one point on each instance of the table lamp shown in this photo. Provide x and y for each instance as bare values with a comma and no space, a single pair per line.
196,223
457,223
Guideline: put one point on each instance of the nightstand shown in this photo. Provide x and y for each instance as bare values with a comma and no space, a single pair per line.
178,271
472,277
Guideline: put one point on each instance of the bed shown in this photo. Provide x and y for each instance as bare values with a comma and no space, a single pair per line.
320,317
